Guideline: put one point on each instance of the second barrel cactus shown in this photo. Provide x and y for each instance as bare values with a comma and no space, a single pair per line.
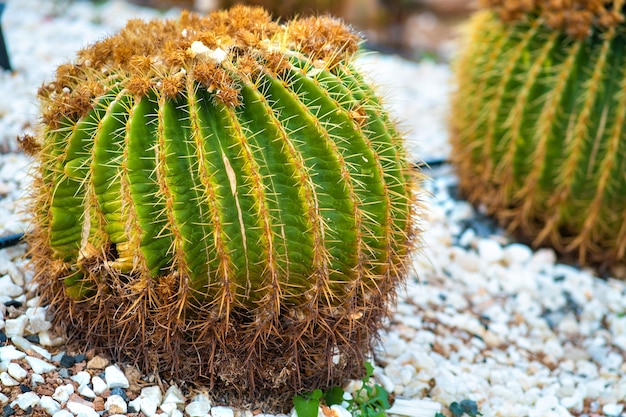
224,200
539,132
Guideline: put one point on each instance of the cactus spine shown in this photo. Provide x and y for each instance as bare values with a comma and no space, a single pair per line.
538,123
222,199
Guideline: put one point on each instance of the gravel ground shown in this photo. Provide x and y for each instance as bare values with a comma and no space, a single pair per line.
482,318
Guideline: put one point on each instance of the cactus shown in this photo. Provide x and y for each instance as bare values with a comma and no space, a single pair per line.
292,8
223,200
538,123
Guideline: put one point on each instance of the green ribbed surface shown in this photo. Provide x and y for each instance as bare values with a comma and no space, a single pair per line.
538,133
288,193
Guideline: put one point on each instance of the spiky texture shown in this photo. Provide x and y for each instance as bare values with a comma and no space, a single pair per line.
291,8
538,133
224,200
576,17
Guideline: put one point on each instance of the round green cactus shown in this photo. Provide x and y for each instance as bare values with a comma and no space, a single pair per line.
222,199
538,124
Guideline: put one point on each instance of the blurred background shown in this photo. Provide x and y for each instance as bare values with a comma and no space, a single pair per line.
415,29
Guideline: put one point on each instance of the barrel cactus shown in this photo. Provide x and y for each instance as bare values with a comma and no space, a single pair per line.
222,200
538,123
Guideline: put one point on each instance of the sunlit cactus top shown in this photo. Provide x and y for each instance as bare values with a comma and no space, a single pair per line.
576,17
165,54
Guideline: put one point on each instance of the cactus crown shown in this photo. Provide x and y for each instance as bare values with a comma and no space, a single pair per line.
575,17
161,55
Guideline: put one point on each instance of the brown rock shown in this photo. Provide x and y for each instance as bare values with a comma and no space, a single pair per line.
98,404
97,362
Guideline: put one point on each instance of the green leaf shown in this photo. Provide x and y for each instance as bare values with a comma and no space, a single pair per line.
456,409
307,405
333,396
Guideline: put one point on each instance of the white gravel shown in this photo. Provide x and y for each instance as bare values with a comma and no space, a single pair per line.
483,318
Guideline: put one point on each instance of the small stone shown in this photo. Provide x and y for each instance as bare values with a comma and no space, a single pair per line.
81,357
16,371
81,378
37,320
79,408
32,338
115,377
173,395
198,408
49,404
26,400
24,388
120,391
63,413
40,366
7,411
97,362
36,379
9,353
9,288
98,404
115,405
340,411
221,411
150,400
67,361
99,385
612,409
3,398
15,327
45,339
22,344
7,380
489,250
62,393
85,391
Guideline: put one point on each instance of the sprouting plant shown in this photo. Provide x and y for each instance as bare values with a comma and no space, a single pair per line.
369,400
465,407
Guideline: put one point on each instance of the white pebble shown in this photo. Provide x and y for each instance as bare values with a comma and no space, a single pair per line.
16,371
3,398
36,379
150,400
62,393
86,392
82,378
414,407
8,287
115,377
220,411
46,340
99,386
26,400
7,380
9,353
340,411
49,404
15,327
489,250
198,408
63,413
115,404
612,409
173,395
80,409
40,366
37,320
517,253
